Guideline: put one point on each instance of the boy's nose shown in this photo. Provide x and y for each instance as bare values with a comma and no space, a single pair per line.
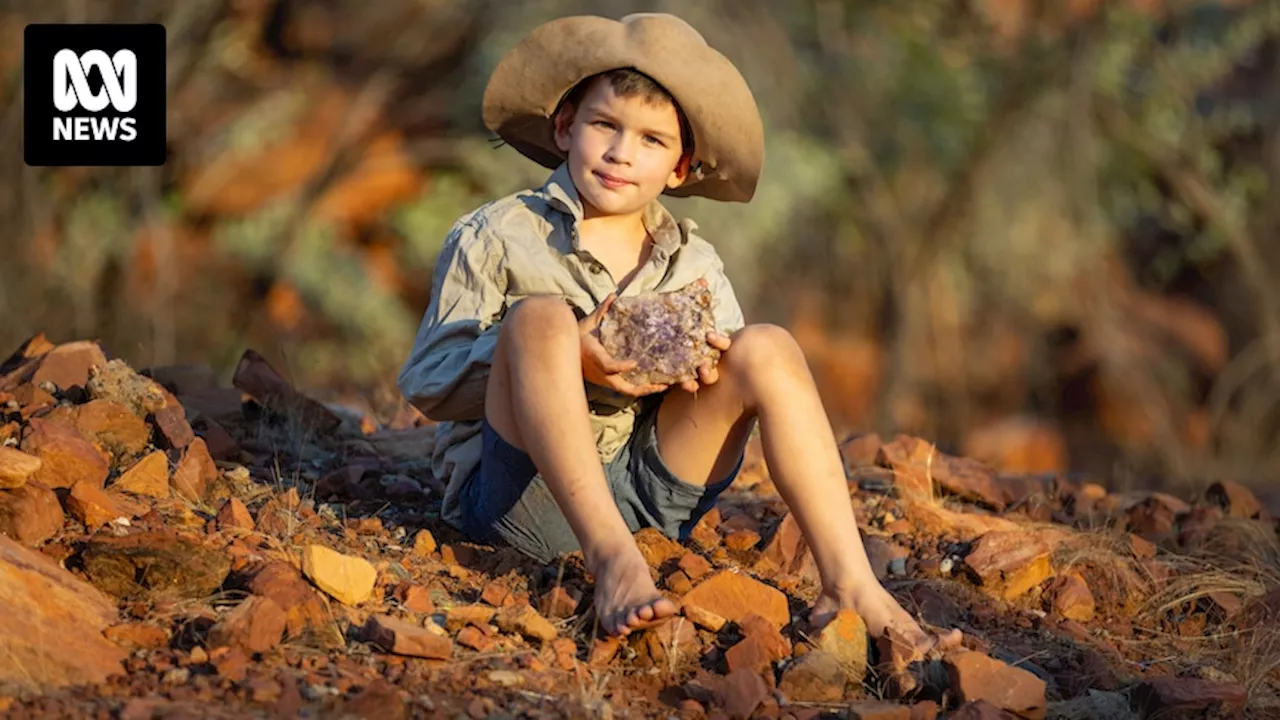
622,149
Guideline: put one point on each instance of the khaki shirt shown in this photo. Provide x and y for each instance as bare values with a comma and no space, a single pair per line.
515,247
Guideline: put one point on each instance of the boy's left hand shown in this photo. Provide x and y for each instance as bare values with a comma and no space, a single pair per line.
708,374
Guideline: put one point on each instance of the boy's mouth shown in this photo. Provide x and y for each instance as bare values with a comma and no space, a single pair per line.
610,181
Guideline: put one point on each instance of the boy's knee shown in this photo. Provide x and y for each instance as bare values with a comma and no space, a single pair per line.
545,314
763,346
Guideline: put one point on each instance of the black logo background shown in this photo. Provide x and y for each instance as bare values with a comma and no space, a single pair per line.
41,42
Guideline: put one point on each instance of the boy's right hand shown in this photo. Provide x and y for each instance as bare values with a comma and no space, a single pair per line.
600,368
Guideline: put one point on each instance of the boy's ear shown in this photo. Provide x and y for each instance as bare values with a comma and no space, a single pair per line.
562,124
680,172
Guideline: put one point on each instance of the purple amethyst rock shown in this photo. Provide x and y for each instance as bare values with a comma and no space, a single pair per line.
665,333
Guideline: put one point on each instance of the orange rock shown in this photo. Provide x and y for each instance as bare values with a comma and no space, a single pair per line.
91,505
195,471
137,635
404,638
16,467
459,616
149,476
694,565
788,552
523,619
816,677
234,514
558,602
256,625
741,539
494,593
30,514
68,364
1236,499
414,598
1011,563
974,676
845,639
110,425
471,637
656,547
1070,598
66,456
52,624
734,596
936,520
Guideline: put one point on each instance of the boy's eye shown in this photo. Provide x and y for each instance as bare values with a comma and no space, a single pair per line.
651,139
604,124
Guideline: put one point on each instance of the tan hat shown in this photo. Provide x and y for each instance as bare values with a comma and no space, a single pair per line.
534,76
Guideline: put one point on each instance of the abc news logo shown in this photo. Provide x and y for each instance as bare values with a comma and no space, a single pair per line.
94,95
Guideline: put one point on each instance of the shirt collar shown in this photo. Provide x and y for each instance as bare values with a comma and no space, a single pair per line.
560,192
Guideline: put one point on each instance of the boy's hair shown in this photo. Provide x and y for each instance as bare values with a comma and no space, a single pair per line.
629,82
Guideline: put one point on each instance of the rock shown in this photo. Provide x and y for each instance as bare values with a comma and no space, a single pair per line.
1237,500
1011,563
878,710
424,543
559,603
16,467
1173,696
704,619
307,616
414,598
52,624
256,625
91,505
845,639
664,333
860,451
234,515
933,519
694,566
173,428
148,477
255,376
404,638
1070,598
739,693
924,710
523,619
117,382
788,552
761,646
917,465
30,514
883,554
66,456
979,710
68,365
674,636
974,676
459,616
657,548
347,579
815,676
734,596
1092,705
154,564
194,472
109,425
741,540
137,636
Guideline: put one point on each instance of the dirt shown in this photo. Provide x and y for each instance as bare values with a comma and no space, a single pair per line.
213,599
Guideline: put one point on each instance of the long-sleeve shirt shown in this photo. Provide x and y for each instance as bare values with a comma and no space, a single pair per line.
523,245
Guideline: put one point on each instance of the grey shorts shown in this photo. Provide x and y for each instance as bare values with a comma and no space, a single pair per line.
507,501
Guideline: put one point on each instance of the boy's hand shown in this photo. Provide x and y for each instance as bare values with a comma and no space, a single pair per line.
600,368
707,374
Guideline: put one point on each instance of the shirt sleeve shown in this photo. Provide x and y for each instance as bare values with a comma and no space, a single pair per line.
448,368
724,303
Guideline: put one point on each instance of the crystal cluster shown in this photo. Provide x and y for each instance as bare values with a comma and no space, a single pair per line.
665,333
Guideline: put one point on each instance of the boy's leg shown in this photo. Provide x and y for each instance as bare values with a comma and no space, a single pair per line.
535,400
764,375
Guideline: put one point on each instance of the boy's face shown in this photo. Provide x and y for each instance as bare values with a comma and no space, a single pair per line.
623,151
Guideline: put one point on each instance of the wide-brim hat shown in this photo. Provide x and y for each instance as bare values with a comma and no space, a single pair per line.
531,80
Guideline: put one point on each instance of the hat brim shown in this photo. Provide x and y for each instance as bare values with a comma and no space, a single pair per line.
529,83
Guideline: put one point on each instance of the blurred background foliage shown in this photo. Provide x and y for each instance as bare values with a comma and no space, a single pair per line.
1041,232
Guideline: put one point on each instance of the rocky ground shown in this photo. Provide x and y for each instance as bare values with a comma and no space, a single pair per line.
178,548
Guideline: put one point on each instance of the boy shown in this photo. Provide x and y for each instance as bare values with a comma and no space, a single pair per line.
545,446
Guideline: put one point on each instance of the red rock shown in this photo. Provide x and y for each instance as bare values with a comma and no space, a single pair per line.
924,710
980,710
459,616
878,710
522,619
734,596
974,676
558,603
68,364
761,646
694,565
235,515
1011,563
66,456
149,477
403,638
740,692
137,635
1070,598
1236,499
657,548
494,593
933,519
603,650
91,505
1141,547
814,677
788,552
673,636
424,543
219,442
233,666
255,376
859,451
154,564
1172,696
52,624
256,625
172,426
306,613
414,598
16,467
742,539
471,637
30,514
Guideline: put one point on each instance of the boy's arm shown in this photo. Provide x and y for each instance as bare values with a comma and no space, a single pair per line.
448,368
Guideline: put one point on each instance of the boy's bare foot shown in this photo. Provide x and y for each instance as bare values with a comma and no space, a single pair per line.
625,597
880,610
